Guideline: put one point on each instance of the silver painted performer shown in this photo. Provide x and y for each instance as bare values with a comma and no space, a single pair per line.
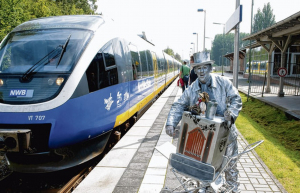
219,89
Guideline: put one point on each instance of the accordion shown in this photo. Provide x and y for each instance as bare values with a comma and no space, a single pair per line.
203,139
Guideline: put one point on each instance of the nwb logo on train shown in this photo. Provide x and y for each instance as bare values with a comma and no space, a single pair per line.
21,93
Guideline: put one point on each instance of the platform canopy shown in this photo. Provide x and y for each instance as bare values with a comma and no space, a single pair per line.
242,54
282,33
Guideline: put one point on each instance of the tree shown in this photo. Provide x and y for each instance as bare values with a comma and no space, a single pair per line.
177,57
169,51
217,50
264,18
15,12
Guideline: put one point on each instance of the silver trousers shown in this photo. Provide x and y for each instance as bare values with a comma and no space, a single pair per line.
231,172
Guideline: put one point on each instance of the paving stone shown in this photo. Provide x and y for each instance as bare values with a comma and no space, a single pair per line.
141,159
274,187
126,189
138,166
262,181
254,181
249,186
134,173
149,188
242,174
149,145
242,187
153,179
126,181
145,149
263,189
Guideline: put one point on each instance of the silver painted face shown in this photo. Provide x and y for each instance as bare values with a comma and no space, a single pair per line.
203,72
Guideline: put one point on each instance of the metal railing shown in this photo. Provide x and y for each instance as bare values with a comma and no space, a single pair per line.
258,80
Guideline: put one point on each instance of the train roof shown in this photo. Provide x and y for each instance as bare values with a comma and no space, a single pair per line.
88,22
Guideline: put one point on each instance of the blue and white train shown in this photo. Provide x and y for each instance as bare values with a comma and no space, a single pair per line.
67,82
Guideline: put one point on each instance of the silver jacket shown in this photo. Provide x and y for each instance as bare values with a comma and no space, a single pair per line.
221,88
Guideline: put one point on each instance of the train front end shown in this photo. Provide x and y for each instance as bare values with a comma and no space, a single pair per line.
41,129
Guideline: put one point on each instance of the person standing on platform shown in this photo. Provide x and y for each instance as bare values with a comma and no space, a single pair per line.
184,75
218,88
193,76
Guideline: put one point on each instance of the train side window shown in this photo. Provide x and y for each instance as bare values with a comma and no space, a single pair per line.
92,72
109,56
149,63
144,63
121,60
160,65
136,64
102,71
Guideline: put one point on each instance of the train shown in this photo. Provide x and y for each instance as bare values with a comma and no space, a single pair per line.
67,83
257,67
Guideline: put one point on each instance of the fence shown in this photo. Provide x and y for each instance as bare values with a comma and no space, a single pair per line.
258,78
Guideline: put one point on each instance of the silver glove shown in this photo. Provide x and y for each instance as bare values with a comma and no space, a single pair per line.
170,130
228,119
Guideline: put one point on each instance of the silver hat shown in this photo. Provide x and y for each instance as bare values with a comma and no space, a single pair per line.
202,58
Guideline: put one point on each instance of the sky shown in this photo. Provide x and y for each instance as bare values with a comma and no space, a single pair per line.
171,23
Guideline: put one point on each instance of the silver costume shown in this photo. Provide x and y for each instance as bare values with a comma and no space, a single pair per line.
220,88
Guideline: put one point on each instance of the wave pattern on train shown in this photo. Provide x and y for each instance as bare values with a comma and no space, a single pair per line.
66,82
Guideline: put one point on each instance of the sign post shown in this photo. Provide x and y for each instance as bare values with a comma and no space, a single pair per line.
233,23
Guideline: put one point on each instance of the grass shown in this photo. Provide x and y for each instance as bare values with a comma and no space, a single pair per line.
281,148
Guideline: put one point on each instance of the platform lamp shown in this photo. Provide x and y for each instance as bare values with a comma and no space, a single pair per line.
223,41
210,41
194,47
197,40
202,10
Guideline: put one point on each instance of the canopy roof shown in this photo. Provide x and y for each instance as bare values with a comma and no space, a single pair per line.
287,29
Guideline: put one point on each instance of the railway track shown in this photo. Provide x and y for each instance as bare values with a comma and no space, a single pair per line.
75,181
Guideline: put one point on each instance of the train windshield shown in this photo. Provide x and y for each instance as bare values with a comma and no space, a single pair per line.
42,51
34,65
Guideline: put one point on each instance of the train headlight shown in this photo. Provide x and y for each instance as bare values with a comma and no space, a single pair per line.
50,81
59,81
1,82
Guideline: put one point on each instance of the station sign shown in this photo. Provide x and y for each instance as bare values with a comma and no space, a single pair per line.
235,19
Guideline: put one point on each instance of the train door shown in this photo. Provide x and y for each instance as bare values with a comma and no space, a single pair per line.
122,59
165,69
155,72
135,91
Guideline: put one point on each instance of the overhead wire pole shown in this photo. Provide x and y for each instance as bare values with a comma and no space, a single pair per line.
251,30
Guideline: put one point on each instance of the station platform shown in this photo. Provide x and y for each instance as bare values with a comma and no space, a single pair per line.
135,166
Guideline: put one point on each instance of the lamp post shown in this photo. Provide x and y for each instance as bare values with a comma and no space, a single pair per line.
223,42
210,41
202,10
194,47
197,40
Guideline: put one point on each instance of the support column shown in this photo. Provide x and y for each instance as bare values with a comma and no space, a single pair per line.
281,93
268,88
283,48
